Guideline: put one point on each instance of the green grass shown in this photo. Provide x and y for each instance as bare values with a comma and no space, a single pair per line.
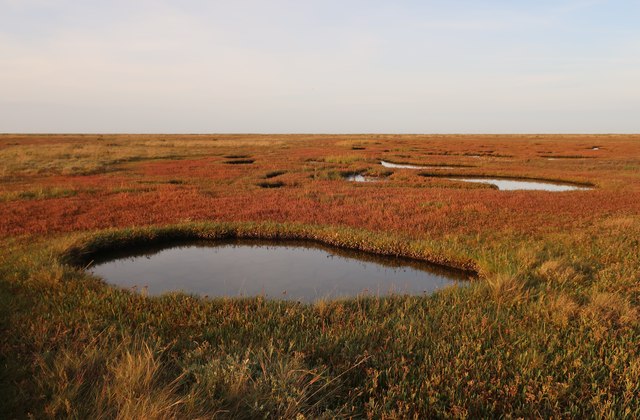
39,194
542,334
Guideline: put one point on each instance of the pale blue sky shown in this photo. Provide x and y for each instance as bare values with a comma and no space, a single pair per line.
320,66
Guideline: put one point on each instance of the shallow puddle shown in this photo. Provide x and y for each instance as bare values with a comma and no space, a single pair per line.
361,178
298,271
512,185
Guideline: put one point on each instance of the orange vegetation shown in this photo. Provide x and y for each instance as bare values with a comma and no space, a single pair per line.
157,190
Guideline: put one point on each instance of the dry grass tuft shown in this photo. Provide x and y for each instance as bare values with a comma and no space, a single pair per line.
51,275
561,309
124,383
132,389
67,375
266,383
612,310
506,288
560,272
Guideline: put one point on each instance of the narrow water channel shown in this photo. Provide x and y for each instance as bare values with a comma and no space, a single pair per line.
512,185
400,165
408,166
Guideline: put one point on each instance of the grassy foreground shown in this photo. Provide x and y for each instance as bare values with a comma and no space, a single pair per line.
551,328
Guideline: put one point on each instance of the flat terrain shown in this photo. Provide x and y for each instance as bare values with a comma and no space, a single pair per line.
550,328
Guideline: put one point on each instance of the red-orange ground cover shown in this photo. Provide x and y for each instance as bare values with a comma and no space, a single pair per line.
206,187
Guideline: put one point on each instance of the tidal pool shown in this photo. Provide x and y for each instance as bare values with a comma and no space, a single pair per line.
298,271
360,178
512,185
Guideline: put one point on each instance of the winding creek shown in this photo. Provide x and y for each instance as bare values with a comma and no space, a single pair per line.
513,185
400,165
298,271
408,166
504,184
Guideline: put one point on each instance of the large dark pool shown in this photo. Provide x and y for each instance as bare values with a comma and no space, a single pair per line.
297,271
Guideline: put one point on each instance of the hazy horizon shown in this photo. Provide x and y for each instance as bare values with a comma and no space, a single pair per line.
459,67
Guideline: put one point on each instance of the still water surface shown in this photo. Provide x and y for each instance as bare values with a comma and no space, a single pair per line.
512,185
407,166
297,271
361,178
400,165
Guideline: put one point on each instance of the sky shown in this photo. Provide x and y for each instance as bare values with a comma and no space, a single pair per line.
306,66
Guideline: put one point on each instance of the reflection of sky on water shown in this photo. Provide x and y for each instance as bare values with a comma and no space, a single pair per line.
512,185
289,272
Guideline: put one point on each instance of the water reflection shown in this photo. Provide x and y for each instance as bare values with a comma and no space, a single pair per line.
512,185
360,178
407,166
290,270
400,165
